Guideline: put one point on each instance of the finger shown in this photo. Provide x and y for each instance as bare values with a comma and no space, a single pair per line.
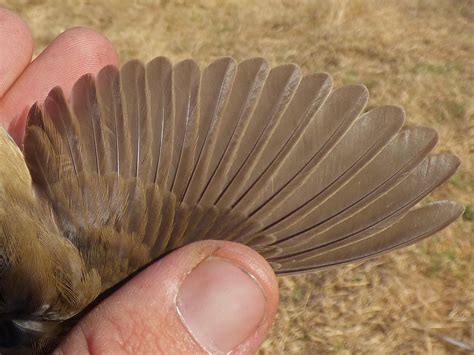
210,296
16,46
73,53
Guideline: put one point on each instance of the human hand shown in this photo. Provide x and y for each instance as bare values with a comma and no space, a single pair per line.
213,296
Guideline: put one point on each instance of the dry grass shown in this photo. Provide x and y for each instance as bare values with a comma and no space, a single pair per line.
417,54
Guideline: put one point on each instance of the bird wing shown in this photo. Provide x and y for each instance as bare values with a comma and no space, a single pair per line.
147,158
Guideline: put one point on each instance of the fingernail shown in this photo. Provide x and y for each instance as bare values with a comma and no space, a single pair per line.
220,304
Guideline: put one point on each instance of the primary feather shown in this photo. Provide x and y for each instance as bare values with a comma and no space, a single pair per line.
147,158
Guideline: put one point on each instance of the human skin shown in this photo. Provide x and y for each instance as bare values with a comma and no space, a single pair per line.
210,296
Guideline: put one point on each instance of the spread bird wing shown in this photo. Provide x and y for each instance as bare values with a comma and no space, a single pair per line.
147,158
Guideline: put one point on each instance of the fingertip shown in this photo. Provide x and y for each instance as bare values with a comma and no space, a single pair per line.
75,52
228,302
256,265
91,49
16,40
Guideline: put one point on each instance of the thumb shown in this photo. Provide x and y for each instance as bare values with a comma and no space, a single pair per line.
210,296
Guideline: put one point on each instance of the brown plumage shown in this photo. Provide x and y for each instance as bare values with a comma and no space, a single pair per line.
148,158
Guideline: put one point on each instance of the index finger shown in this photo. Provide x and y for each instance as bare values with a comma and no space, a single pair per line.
16,48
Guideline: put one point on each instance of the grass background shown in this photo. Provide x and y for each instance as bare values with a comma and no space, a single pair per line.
416,54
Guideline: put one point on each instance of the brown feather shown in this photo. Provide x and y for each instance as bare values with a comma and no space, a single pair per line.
248,84
330,123
159,76
136,115
310,95
217,80
186,80
117,139
416,225
365,139
277,93
87,117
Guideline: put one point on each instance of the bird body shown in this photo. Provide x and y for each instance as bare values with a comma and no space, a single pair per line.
147,158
